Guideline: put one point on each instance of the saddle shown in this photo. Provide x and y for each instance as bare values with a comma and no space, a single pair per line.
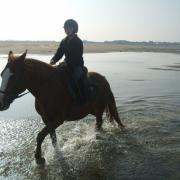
82,91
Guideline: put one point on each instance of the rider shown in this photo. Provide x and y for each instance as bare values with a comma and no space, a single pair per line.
72,47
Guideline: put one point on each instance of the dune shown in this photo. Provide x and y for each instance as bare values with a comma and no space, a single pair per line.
49,47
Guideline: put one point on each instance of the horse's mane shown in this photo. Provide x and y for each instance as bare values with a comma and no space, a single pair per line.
39,68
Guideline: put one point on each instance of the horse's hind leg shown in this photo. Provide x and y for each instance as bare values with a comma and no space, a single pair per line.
53,138
99,121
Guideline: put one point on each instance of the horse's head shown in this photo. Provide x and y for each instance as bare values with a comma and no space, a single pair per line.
13,81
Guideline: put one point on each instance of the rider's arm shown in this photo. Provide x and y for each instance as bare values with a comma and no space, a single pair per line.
59,53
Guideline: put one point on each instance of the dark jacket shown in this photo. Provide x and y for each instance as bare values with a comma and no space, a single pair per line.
73,51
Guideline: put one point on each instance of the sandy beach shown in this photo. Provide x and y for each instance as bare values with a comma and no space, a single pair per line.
49,47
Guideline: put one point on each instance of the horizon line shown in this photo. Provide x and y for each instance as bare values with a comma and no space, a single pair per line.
105,41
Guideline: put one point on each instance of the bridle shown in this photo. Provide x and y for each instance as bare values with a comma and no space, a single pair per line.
11,95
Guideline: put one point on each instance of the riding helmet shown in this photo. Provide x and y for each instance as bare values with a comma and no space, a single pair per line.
71,23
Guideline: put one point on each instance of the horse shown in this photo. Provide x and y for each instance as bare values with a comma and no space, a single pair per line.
52,98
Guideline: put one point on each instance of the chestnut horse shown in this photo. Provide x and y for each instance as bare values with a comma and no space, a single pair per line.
52,100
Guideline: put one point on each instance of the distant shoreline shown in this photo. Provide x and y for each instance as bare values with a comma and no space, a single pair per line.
49,47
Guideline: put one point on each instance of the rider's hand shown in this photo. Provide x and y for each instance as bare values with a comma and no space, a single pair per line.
52,62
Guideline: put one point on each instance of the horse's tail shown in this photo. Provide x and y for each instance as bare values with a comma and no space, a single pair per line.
111,109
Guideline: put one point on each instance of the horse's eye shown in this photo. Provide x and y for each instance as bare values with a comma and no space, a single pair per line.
13,76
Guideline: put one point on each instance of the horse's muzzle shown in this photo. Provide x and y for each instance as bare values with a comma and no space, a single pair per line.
2,107
4,103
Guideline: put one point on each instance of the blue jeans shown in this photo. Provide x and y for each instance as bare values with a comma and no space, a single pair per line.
79,83
78,73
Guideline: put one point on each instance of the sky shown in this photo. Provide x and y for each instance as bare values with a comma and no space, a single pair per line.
99,20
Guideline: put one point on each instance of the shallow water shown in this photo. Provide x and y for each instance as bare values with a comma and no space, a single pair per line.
147,91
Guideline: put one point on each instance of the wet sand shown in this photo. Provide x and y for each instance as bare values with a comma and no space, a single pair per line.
49,47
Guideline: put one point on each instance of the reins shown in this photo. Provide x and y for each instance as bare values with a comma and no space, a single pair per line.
16,96
22,95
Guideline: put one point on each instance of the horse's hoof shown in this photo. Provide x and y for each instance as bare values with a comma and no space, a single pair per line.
40,161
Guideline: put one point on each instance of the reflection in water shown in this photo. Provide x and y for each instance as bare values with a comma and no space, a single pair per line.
149,105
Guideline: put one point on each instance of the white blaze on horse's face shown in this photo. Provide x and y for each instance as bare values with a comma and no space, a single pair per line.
5,78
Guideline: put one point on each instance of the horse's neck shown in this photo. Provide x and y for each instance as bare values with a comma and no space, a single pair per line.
38,74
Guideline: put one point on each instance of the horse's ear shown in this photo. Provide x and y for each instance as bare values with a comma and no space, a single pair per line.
23,56
11,56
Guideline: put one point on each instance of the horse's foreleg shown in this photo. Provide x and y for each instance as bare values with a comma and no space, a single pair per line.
41,135
52,134
53,138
